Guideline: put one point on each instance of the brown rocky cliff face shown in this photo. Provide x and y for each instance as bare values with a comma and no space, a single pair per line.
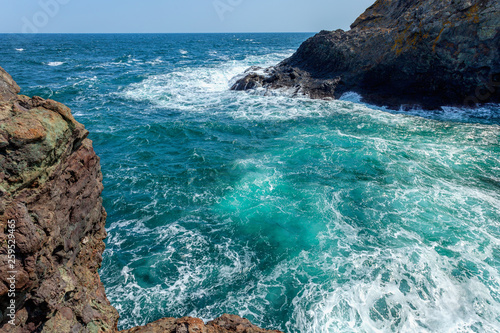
224,324
400,52
51,184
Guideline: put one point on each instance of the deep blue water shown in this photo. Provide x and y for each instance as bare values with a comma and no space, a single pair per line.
301,215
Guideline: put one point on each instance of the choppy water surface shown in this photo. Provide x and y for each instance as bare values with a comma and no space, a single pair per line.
301,215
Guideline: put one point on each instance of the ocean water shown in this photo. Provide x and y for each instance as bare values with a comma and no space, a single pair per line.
301,215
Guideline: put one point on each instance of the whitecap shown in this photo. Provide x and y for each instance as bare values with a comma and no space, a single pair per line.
55,63
155,62
20,50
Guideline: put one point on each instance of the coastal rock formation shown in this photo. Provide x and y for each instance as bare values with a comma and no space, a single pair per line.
52,224
50,185
225,324
429,53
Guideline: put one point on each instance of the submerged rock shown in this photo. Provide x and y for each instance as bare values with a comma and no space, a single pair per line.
50,202
429,53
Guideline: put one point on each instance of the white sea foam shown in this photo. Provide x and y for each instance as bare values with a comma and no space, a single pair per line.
405,289
55,63
20,50
197,88
187,251
414,295
155,62
192,89
351,97
385,272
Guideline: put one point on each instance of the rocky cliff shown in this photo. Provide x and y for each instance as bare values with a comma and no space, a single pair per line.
50,187
429,53
52,226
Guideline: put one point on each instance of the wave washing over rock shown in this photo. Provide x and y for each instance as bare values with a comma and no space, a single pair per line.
429,53
50,201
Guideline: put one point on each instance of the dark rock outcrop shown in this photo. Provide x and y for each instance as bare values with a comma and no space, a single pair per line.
399,52
51,205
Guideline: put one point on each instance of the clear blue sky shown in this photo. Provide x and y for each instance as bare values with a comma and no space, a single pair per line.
162,16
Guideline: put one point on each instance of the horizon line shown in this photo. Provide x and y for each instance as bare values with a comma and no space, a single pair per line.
154,33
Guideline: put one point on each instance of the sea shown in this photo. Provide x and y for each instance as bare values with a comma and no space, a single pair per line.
301,215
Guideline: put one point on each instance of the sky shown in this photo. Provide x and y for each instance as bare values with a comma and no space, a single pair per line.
177,16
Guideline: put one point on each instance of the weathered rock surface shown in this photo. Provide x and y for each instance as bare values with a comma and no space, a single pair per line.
8,88
50,185
399,52
225,324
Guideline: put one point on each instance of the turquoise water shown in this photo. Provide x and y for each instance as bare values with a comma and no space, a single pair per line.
301,215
